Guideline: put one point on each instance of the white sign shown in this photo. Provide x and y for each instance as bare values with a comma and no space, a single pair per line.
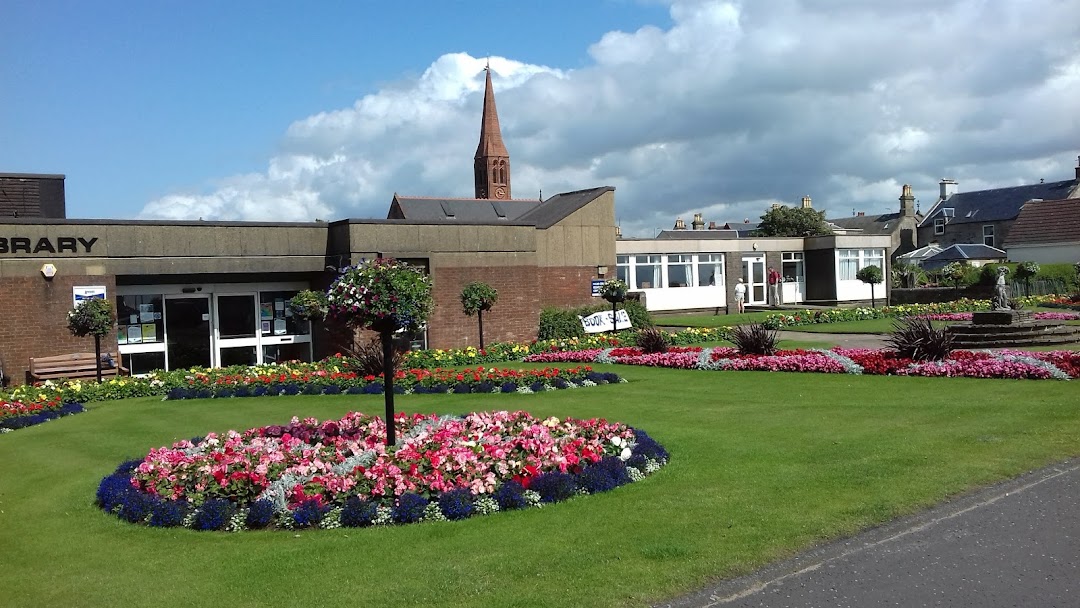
601,321
92,292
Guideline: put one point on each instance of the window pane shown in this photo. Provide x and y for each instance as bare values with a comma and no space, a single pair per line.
275,317
138,319
240,355
236,316
279,353
144,363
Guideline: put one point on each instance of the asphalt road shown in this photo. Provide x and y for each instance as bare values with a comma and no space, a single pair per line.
1013,544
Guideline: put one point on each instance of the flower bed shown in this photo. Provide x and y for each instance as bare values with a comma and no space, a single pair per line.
329,376
205,385
338,473
836,315
1060,365
1038,316
17,415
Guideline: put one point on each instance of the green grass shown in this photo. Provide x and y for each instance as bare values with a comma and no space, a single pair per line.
762,467
683,321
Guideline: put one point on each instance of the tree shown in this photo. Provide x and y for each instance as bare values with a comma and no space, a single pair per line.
92,317
383,295
955,272
793,221
476,298
871,275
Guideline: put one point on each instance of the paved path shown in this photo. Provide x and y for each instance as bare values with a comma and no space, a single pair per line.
1013,544
844,340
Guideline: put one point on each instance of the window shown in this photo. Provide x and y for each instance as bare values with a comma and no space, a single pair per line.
988,235
849,264
680,270
793,267
622,268
939,225
710,269
138,319
275,316
646,272
854,260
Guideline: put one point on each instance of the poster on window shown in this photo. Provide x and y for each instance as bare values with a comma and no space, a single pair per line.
79,293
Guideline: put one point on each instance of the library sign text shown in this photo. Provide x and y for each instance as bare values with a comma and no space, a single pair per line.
62,244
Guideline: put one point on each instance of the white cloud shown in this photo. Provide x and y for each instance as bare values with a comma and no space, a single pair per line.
736,105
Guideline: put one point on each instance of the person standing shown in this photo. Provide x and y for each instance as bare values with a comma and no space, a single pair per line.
774,288
740,296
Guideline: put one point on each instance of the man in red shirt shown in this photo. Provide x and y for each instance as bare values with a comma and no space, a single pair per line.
774,287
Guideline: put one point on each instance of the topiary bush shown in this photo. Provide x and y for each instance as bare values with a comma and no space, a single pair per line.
917,339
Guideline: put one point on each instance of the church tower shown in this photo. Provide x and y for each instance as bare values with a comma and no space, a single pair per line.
491,165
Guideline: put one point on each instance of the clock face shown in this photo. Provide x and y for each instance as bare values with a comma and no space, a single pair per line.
500,193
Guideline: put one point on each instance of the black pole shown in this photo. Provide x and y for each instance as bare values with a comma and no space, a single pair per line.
97,355
388,383
614,323
873,302
480,316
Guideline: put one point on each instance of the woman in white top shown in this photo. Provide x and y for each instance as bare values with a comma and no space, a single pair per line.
740,296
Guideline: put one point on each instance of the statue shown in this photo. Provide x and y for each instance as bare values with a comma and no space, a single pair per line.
1001,290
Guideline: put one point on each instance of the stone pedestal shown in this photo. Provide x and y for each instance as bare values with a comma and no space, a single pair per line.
1001,317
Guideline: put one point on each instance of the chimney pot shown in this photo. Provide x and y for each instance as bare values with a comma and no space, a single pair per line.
861,214
949,187
712,225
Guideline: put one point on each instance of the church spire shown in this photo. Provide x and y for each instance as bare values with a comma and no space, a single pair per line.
491,165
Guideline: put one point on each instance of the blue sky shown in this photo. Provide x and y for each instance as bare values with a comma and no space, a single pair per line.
261,110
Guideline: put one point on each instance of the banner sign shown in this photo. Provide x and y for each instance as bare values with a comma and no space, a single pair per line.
601,321
92,292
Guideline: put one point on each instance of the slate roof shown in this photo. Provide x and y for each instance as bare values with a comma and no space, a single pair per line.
884,223
920,254
461,210
542,214
998,204
1047,222
560,206
963,251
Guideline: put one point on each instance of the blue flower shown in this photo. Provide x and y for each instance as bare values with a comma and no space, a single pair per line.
358,512
409,508
457,504
554,486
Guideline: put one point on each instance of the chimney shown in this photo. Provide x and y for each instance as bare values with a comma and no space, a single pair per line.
618,232
698,223
775,206
680,224
746,220
712,225
949,187
1078,168
861,214
907,202
806,202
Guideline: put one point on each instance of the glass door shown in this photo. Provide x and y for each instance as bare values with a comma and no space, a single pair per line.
236,327
754,275
187,331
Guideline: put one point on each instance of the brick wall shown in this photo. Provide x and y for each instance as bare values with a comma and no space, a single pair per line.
515,317
566,286
34,320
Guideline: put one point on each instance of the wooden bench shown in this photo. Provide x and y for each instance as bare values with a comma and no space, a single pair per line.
75,365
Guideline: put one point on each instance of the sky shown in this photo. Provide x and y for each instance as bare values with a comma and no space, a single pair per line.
277,111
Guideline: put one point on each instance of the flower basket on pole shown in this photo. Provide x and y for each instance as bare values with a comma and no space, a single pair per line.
614,291
383,295
92,317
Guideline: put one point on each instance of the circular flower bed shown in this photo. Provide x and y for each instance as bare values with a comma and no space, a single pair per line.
17,415
338,473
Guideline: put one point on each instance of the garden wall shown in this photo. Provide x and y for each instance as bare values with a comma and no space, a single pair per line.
927,295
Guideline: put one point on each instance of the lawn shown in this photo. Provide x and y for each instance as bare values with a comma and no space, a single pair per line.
762,467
